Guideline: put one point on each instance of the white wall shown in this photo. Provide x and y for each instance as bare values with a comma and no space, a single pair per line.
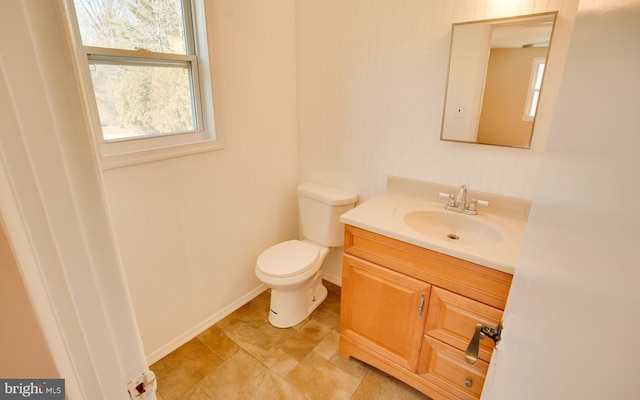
52,207
191,228
341,92
573,315
193,224
345,93
371,86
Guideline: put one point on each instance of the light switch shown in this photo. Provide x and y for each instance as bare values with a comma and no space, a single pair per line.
460,111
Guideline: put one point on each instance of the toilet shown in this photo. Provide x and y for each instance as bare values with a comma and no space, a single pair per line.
292,268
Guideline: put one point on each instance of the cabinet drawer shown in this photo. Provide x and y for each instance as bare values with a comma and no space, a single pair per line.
452,319
444,366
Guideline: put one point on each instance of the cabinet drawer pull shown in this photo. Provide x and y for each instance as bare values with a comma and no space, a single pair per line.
420,306
468,383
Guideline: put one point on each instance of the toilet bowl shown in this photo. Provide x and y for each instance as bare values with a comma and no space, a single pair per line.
292,269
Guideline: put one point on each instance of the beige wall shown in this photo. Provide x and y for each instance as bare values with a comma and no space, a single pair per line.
505,96
340,92
567,245
23,350
191,228
53,207
573,313
371,88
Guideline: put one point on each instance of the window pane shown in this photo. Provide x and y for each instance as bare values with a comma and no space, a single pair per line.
135,101
539,75
534,103
155,25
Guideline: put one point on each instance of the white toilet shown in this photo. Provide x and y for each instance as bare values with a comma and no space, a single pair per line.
292,268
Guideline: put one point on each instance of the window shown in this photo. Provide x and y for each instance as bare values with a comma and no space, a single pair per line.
146,74
537,71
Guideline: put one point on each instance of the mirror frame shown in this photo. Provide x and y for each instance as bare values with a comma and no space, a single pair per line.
491,23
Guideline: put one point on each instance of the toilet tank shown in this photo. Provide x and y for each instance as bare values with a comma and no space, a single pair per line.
320,209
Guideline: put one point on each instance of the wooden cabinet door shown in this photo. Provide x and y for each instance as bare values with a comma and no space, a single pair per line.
384,311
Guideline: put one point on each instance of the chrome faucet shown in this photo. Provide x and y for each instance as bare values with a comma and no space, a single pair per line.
458,203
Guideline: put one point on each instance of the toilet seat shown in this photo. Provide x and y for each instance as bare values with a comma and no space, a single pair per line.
287,259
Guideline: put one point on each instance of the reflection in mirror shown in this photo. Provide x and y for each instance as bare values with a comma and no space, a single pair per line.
495,78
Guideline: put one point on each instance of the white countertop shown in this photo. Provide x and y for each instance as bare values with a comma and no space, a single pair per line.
383,214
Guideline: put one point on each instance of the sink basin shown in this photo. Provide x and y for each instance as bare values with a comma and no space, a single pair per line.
450,226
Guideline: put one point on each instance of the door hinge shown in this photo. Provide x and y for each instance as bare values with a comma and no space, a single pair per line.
143,387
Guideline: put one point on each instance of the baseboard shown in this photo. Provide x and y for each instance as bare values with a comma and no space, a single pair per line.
201,327
336,280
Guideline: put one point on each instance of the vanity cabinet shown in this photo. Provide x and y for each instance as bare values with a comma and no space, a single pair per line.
411,312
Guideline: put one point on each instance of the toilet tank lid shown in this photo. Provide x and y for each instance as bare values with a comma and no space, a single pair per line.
327,194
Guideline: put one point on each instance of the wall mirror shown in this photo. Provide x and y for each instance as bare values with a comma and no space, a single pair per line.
495,79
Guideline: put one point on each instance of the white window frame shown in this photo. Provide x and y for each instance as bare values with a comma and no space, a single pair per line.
531,94
123,152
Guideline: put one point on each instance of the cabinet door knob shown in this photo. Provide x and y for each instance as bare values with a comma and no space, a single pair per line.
468,383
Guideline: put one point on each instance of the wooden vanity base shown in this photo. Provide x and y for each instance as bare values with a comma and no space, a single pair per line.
411,313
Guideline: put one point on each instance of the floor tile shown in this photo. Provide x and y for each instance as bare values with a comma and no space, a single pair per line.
301,324
303,341
249,328
281,363
275,388
195,393
379,386
329,311
238,378
219,342
181,370
253,313
329,345
319,379
332,287
351,366
245,357
259,340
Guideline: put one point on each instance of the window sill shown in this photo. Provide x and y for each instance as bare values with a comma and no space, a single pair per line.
114,161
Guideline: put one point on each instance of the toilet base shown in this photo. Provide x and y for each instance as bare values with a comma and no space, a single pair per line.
289,308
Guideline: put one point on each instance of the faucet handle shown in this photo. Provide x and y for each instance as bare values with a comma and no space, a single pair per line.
451,202
472,205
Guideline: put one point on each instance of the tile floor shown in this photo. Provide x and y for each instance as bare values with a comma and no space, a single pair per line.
244,357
